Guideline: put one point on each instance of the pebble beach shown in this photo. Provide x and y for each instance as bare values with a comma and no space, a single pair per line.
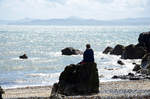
138,89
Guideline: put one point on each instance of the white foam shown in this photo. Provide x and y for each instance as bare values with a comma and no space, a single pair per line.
53,75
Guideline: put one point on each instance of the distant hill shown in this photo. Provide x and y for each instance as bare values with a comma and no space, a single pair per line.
77,21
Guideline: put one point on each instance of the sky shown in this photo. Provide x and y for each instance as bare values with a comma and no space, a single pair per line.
89,9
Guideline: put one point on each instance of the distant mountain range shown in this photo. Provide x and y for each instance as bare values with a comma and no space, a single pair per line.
77,21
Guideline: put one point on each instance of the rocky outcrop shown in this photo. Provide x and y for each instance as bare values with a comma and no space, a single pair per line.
107,50
1,92
118,50
80,79
24,56
144,40
133,52
129,52
71,51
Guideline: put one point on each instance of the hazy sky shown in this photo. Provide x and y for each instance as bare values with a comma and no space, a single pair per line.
95,9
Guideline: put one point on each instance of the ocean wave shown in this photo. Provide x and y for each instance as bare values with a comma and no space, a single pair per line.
53,75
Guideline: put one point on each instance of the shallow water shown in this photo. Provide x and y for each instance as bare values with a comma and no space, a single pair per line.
43,45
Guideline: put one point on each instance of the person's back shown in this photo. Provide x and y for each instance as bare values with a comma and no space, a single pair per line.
88,55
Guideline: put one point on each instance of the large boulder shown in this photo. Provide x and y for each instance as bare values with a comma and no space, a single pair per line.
80,79
107,50
118,50
70,51
144,40
1,92
133,52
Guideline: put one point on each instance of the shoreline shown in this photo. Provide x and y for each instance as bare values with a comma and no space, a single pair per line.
137,88
27,92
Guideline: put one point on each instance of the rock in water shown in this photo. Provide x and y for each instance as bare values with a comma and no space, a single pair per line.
80,79
71,51
24,56
133,52
118,50
144,40
1,92
107,50
120,62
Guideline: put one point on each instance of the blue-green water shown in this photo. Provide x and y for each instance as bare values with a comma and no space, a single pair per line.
43,45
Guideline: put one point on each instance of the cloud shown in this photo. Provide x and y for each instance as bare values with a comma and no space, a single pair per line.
97,9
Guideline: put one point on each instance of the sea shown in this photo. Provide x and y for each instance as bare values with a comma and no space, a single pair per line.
43,45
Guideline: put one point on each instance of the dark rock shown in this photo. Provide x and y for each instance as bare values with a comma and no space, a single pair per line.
137,67
144,40
134,78
120,77
133,52
1,92
80,79
115,77
120,62
146,61
130,74
107,50
118,50
144,71
71,51
134,63
23,56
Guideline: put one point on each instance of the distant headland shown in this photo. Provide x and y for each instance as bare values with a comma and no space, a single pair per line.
77,21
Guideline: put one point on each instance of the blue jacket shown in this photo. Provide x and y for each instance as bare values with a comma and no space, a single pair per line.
88,55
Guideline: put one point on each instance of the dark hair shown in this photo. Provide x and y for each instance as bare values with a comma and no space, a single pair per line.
88,46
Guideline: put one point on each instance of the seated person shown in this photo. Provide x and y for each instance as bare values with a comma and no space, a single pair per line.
88,55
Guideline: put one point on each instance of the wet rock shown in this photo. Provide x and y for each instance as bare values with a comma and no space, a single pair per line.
130,74
71,51
144,40
118,50
80,79
115,77
1,92
146,61
133,52
107,50
129,77
134,78
137,67
120,62
144,71
24,56
120,77
134,63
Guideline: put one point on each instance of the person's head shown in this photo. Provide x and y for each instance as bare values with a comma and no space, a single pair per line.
88,46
